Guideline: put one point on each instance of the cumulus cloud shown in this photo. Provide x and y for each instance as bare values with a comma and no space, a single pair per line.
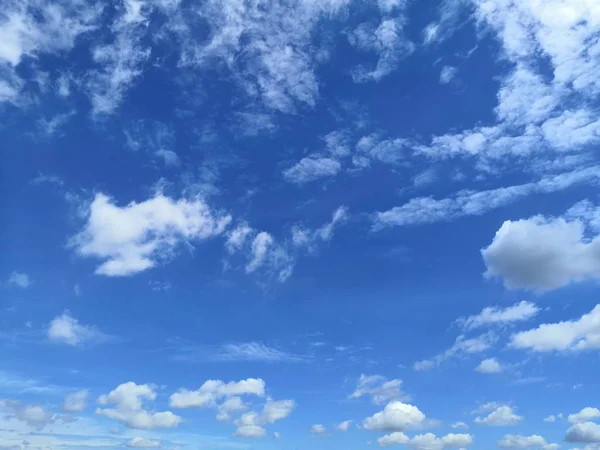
553,418
136,237
396,416
489,365
502,416
19,279
251,424
430,441
139,442
460,425
311,169
380,389
491,315
129,410
585,432
462,346
518,441
568,335
395,438
542,253
76,401
65,329
344,426
318,430
35,416
587,414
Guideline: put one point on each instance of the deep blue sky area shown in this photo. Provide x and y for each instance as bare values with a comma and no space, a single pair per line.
299,224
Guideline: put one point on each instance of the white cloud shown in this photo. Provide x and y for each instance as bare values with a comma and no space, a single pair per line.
395,438
518,441
543,253
396,416
250,424
472,203
230,406
585,415
430,441
574,335
128,399
169,157
65,329
318,430
312,168
460,425
380,389
302,237
447,74
503,416
585,432
489,365
237,237
76,401
276,435
344,426
139,442
266,252
19,279
213,390
491,315
553,418
461,346
138,236
235,352
35,416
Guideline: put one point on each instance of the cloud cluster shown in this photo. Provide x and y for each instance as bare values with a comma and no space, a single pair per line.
380,389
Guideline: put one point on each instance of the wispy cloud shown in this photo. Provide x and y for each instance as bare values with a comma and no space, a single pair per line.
232,352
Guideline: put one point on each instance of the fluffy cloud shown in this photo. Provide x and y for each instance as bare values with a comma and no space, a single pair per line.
35,416
396,416
212,391
395,438
585,432
502,416
553,418
76,401
344,426
379,388
129,409
489,365
542,253
312,168
19,279
139,442
574,335
318,430
533,441
430,441
250,424
65,329
491,315
460,425
138,236
461,346
585,415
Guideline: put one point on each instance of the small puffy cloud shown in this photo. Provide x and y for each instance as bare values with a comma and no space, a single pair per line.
139,442
344,426
396,416
35,416
395,438
503,416
585,415
517,442
212,391
19,279
489,365
460,425
553,418
251,424
128,399
585,432
136,237
76,401
573,335
519,312
541,253
378,388
276,435
318,430
65,329
447,74
312,168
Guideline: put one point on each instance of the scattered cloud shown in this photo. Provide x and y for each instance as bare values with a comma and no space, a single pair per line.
462,346
380,389
490,365
311,169
533,441
129,410
396,416
503,416
138,236
491,315
37,417
447,74
461,425
319,430
65,329
585,432
344,426
251,424
76,401
234,352
568,335
553,418
19,279
139,442
585,415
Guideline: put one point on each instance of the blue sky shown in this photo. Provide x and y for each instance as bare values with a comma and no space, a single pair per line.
255,224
